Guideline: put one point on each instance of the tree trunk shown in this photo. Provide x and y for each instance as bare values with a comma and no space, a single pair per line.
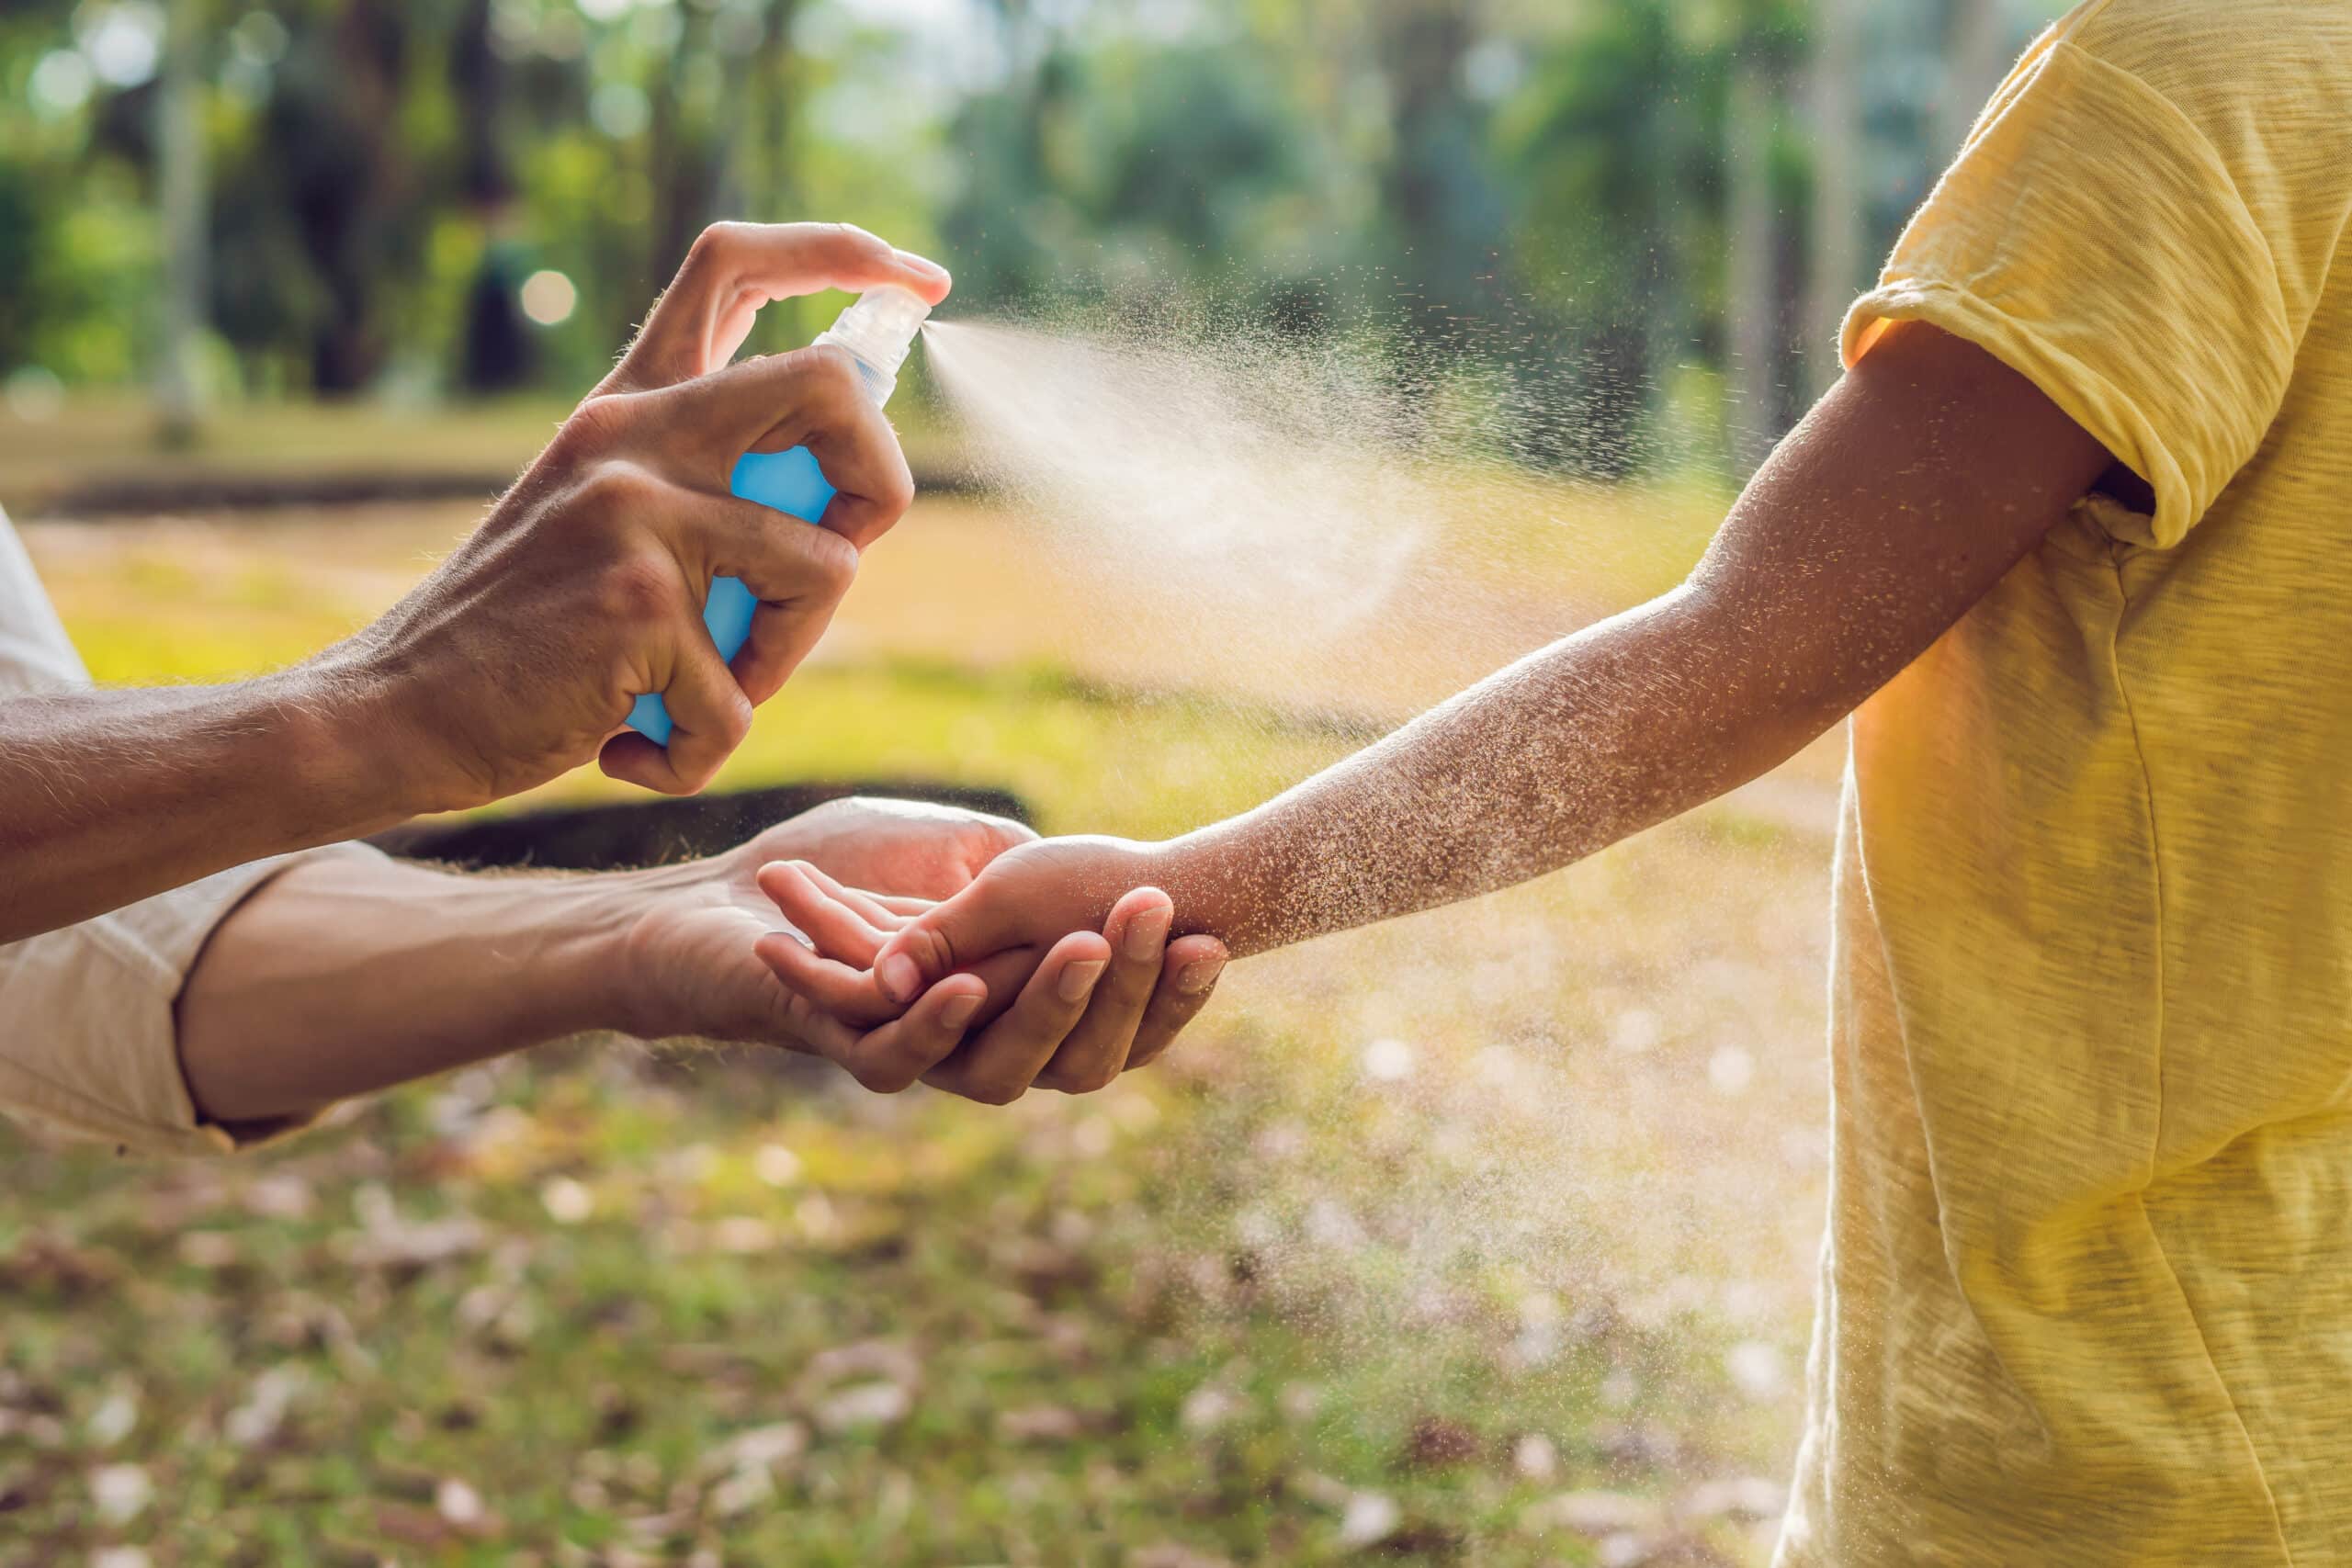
776,197
180,184
1976,56
1836,227
1755,370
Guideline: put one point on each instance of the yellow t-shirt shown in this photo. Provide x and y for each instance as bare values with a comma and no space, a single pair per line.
2086,1293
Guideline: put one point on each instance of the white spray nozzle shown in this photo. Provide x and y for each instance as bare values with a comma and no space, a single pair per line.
879,329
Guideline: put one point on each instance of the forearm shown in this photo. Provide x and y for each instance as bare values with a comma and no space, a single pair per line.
1624,726
108,797
1903,498
343,976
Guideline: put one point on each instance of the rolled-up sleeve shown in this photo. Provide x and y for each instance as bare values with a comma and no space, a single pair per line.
89,1043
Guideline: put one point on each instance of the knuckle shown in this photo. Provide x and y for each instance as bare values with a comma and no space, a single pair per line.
834,560
716,243
896,491
992,1092
852,244
622,491
637,589
596,425
831,370
737,721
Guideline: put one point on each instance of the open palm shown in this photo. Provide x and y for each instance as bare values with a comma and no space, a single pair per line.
691,947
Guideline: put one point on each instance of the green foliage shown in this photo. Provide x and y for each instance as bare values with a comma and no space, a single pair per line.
1282,1300
1541,190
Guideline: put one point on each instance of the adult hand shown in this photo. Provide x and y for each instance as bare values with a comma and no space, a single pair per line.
519,658
686,961
910,848
1068,1010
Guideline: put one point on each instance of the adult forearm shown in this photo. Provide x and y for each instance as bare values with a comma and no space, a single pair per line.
344,976
108,797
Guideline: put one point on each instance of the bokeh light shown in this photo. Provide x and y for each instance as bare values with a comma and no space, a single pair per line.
549,297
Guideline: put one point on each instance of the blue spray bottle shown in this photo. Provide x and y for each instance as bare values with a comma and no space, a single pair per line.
879,329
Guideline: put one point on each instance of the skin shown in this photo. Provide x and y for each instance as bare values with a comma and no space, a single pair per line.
518,659
515,661
345,976
1912,489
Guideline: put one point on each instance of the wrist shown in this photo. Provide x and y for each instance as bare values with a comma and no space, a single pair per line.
584,965
1219,883
345,751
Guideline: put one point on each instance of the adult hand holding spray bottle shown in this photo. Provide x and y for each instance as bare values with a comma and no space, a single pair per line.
878,331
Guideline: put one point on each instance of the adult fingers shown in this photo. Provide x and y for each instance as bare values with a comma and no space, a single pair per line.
838,928
733,269
896,1052
779,558
709,716
900,1052
1188,978
838,991
811,397
997,1067
1097,1048
799,575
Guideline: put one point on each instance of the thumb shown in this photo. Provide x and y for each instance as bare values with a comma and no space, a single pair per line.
980,921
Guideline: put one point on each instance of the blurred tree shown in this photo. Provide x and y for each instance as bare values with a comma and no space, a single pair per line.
1837,231
1445,217
1979,46
344,172
187,263
495,352
1617,143
1611,199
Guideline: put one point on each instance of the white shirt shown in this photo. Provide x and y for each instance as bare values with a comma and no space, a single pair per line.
88,1039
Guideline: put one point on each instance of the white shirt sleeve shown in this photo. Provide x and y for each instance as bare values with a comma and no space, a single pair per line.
89,1043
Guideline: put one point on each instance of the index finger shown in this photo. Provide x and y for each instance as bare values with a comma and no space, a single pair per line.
813,396
735,268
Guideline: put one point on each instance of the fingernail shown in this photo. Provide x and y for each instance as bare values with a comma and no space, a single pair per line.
1079,979
1199,975
1148,931
959,1013
901,978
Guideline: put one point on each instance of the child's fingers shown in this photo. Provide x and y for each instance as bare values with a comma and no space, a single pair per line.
839,931
834,987
907,908
869,906
897,1054
1187,978
999,1065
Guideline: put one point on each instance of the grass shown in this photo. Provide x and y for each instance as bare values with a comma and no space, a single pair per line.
1485,1237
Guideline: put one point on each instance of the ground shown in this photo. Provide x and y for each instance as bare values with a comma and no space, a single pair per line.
1482,1239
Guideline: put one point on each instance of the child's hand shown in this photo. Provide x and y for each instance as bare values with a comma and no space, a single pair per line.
1024,897
1069,1010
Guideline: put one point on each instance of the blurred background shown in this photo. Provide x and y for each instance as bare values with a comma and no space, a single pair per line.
1486,1237
1659,204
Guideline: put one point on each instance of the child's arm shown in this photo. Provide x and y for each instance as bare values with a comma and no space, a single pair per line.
1909,492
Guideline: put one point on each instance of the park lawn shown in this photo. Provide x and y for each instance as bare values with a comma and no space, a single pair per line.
1483,1237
